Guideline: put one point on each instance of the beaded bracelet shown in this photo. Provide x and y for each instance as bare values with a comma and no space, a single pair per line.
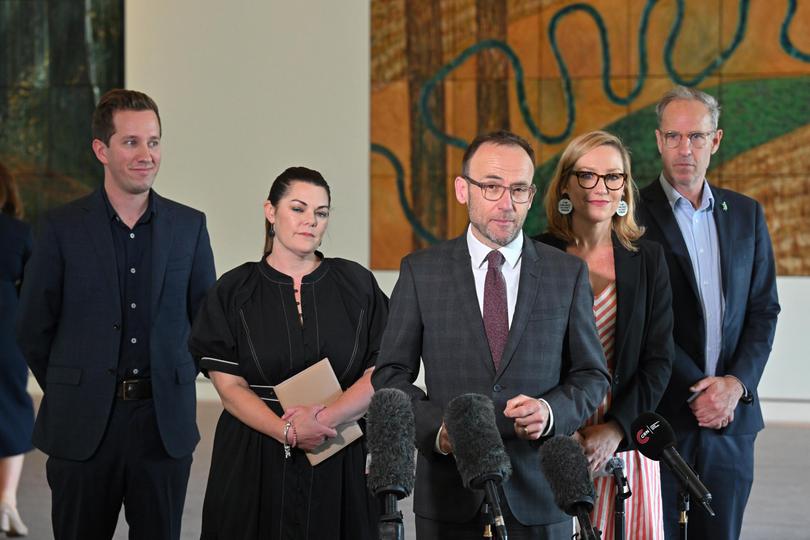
287,452
295,436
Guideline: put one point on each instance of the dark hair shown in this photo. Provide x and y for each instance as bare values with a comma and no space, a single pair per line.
119,99
280,187
499,138
10,202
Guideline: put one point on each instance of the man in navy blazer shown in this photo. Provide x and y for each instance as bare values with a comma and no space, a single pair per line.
105,312
543,368
725,304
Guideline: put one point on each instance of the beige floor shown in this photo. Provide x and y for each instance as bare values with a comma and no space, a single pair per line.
777,509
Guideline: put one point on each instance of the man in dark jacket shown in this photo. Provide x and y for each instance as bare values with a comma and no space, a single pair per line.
105,312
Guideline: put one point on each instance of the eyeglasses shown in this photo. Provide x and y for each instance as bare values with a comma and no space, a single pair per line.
614,181
520,193
697,139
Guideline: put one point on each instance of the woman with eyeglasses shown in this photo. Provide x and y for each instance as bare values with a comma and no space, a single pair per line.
590,206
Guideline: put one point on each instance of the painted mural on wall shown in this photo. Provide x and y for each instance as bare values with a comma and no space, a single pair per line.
56,58
444,70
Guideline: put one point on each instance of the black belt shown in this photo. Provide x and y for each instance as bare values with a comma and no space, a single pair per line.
129,389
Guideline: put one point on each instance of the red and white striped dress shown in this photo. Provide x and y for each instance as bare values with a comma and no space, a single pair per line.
643,513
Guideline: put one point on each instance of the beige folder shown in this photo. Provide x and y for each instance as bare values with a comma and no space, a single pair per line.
318,385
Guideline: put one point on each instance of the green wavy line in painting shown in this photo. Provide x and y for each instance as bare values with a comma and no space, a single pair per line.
754,112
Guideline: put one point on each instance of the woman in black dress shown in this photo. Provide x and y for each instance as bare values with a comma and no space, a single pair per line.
262,323
16,409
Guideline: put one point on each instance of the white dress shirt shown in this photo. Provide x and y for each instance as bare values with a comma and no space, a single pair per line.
512,253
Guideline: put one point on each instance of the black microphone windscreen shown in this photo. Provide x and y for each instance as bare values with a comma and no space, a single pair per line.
652,434
566,469
390,436
477,444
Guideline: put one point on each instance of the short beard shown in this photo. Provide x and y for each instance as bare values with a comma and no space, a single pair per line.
494,240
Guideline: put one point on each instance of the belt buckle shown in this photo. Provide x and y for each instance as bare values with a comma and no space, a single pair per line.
125,388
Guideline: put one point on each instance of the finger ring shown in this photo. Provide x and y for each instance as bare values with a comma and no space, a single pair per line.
525,430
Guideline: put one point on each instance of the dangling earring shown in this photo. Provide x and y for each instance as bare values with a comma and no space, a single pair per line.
622,209
565,206
271,231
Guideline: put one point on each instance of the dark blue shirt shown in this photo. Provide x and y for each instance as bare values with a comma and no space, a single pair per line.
133,257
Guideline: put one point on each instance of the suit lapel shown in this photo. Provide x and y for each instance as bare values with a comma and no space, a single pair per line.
661,212
471,311
162,239
529,280
722,221
628,275
97,223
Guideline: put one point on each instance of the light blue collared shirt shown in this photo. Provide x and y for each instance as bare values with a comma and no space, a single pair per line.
699,232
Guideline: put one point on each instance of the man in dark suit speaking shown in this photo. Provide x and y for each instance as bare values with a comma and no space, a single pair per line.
495,313
105,311
724,300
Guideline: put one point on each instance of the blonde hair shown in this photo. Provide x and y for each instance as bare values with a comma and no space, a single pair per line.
626,228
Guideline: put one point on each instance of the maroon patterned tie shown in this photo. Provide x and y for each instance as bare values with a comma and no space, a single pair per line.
496,316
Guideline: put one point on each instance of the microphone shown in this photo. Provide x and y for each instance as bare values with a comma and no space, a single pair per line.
615,467
566,469
656,440
390,437
481,458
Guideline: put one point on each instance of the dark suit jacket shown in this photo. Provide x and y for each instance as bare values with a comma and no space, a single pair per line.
643,348
68,325
552,352
751,306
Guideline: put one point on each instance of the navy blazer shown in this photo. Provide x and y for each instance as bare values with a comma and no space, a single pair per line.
69,323
643,348
552,352
748,276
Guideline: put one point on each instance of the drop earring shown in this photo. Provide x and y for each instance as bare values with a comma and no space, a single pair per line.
564,206
622,209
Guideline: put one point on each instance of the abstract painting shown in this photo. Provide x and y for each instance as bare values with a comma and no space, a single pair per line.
443,71
56,59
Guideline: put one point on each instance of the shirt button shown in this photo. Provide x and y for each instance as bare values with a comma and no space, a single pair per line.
136,371
116,326
133,305
132,235
497,388
133,341
132,270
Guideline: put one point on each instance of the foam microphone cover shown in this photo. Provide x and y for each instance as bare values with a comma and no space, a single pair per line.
390,437
566,469
652,435
477,444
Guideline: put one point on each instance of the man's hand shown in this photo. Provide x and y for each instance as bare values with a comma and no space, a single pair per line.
530,416
599,443
714,407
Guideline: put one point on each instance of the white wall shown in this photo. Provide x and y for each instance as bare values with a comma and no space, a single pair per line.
248,88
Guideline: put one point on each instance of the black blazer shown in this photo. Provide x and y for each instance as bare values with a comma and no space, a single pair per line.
643,348
68,324
552,352
751,305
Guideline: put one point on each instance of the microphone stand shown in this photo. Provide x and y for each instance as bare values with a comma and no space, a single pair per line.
622,492
487,514
683,508
390,526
